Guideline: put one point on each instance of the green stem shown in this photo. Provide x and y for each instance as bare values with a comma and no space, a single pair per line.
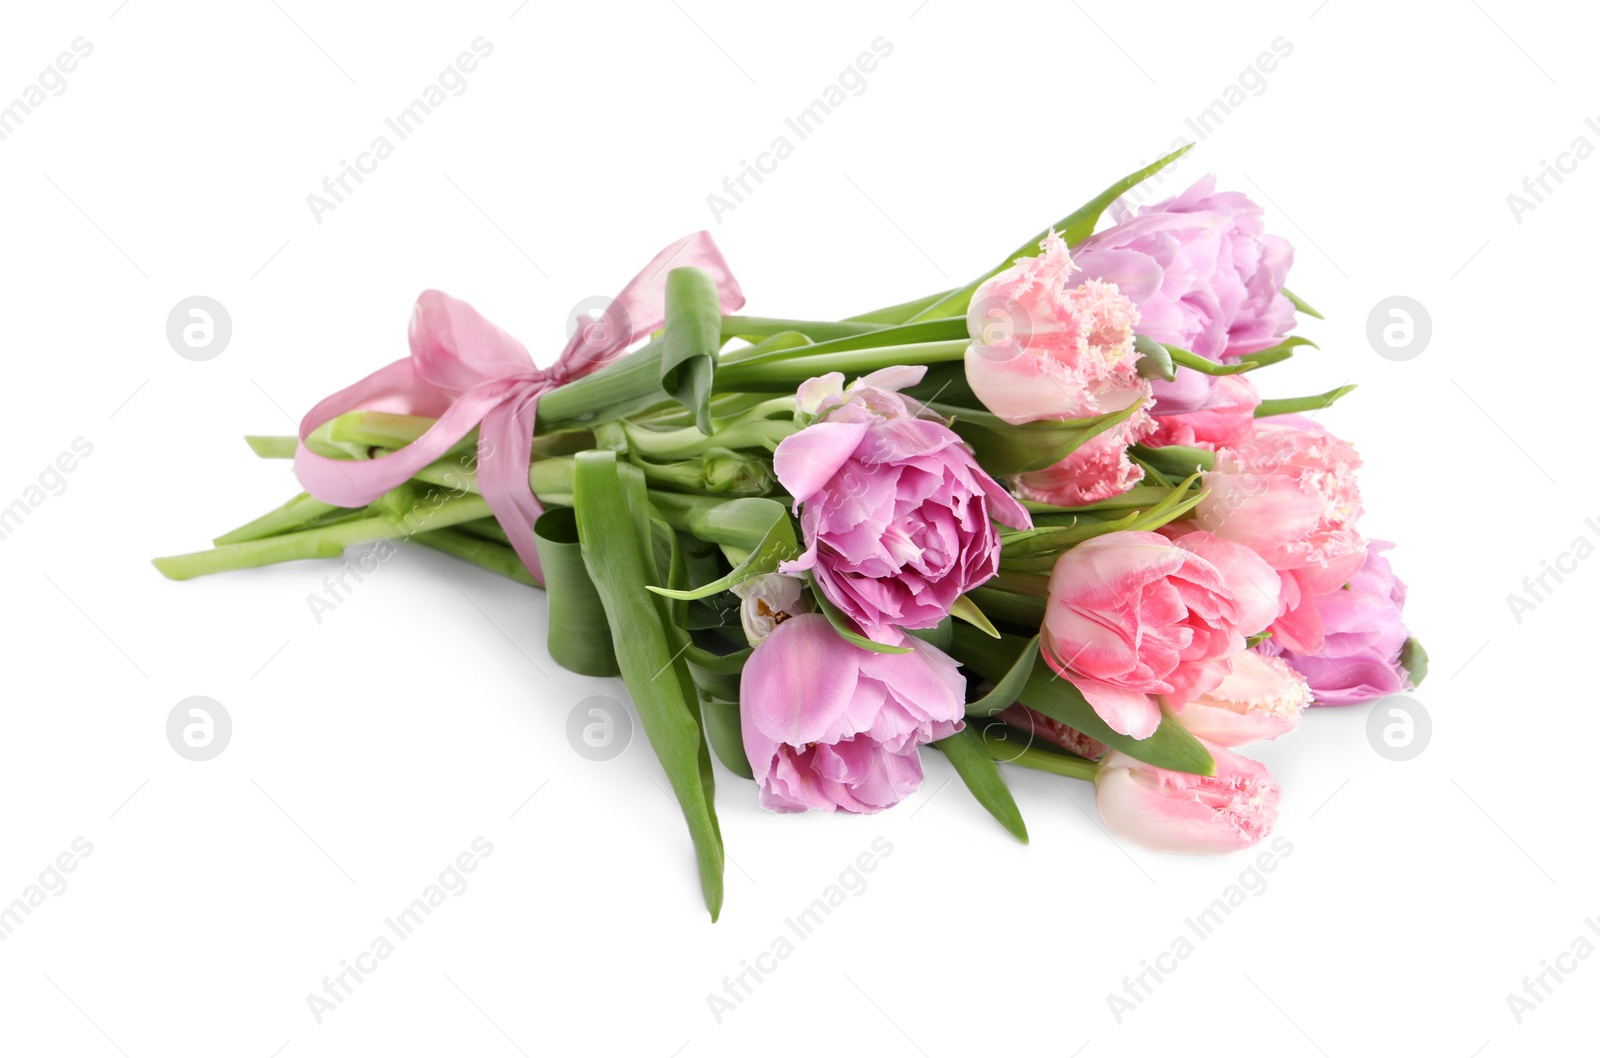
496,558
856,362
816,330
296,514
273,447
326,542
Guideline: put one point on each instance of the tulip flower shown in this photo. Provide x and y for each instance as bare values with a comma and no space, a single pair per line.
1260,698
1173,811
832,726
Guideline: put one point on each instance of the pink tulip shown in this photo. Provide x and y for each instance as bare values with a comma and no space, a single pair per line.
1173,811
894,508
1226,418
1205,276
1133,615
1287,492
1096,470
1046,345
832,726
1363,630
1260,698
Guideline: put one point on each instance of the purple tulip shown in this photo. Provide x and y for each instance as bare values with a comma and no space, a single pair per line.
832,726
1205,276
1363,636
895,509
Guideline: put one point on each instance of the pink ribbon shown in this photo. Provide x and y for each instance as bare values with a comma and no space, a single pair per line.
466,372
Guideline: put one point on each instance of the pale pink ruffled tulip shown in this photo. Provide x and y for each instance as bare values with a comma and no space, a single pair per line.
1260,698
1287,492
1173,811
1096,470
1133,615
829,725
1049,346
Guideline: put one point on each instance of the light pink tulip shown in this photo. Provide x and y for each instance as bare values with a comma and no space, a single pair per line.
1133,615
1048,346
829,725
1260,698
1096,470
1172,811
1287,492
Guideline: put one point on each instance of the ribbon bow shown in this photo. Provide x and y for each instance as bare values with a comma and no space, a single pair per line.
464,372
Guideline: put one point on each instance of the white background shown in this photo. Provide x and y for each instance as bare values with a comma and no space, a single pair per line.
371,748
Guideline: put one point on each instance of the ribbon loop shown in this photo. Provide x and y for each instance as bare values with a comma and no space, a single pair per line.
465,372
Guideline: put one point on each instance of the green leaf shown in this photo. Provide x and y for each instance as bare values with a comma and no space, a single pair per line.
1154,360
1005,449
964,609
579,638
725,735
717,675
1171,746
1299,305
1037,549
1074,228
897,314
1415,661
690,339
938,635
977,769
782,342
1007,687
1280,352
778,544
1080,223
1176,459
614,536
1290,405
1195,362
846,627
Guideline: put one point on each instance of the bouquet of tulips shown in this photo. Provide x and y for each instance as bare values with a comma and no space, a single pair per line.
1044,519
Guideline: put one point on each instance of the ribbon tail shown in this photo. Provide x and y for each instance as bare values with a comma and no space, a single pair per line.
505,451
